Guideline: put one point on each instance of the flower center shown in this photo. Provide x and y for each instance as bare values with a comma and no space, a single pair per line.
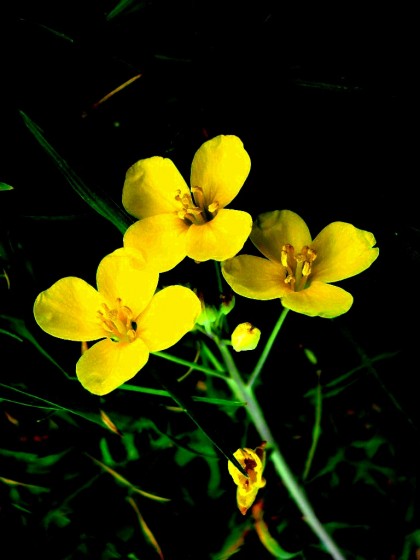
118,322
298,265
193,209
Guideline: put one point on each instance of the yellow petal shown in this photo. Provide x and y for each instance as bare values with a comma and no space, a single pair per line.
68,309
342,251
151,186
123,274
255,277
171,314
253,466
220,167
319,299
245,498
221,238
161,239
107,365
272,230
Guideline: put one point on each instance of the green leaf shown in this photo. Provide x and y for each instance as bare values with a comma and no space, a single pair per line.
128,6
235,538
98,200
412,544
5,187
59,517
267,540
35,463
2,331
124,482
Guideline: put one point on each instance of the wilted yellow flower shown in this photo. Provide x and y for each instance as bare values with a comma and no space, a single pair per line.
124,311
245,337
299,270
253,462
174,221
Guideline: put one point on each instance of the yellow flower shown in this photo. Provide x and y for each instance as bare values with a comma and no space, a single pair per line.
253,462
245,337
124,311
298,270
174,221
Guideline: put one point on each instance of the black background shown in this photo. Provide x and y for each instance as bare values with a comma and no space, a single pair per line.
323,98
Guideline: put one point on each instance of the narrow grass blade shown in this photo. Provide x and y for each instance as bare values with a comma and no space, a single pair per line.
200,419
97,199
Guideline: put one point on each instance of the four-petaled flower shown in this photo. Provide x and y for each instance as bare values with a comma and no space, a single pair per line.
299,270
174,221
253,462
124,311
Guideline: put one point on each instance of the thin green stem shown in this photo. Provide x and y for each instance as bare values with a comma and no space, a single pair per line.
162,393
316,432
56,407
244,392
212,358
218,277
191,365
268,346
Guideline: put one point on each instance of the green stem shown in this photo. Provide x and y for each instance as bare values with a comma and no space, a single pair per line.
191,365
244,392
268,346
316,432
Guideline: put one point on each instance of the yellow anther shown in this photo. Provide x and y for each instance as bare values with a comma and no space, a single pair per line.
187,201
213,207
307,256
287,258
193,207
306,269
190,213
286,250
198,196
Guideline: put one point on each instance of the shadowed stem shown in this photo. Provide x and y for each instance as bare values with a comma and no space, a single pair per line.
245,392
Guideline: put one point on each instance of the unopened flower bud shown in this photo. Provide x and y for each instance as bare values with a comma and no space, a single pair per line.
245,337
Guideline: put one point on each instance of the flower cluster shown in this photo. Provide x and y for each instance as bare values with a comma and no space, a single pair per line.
128,317
175,222
124,312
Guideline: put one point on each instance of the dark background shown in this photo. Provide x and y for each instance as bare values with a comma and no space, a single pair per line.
322,97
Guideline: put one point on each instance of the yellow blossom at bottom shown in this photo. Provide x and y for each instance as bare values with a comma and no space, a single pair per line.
253,462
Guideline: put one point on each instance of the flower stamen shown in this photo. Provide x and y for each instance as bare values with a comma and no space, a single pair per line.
298,266
118,322
190,213
307,257
198,196
287,258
